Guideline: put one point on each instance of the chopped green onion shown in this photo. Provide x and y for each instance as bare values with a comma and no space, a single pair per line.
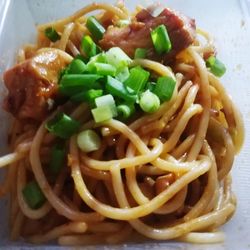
137,79
216,66
95,28
57,159
140,53
117,57
107,100
123,22
87,96
150,86
88,46
75,83
164,88
88,141
116,88
62,125
122,74
125,110
149,102
104,69
161,39
82,58
103,113
100,58
52,34
33,195
77,66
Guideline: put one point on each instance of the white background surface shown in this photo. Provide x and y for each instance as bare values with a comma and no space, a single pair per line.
227,20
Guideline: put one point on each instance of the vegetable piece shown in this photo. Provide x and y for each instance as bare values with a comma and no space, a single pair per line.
107,100
95,28
88,141
77,66
104,69
52,34
140,53
57,159
123,74
117,57
150,86
125,110
216,66
100,58
116,88
87,96
88,46
75,83
161,39
101,114
164,88
33,195
149,102
62,125
137,79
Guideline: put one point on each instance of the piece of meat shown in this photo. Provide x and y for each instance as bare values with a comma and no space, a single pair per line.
181,30
32,83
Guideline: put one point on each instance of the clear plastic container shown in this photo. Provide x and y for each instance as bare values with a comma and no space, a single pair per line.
226,20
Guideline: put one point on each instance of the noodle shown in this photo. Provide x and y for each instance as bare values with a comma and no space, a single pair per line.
163,175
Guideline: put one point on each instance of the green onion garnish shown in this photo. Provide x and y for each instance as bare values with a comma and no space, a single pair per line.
57,159
88,46
88,141
161,39
117,57
103,113
216,66
52,34
150,86
62,125
104,69
95,28
164,88
122,74
33,195
77,66
149,102
107,100
137,79
74,83
140,53
125,110
116,88
87,96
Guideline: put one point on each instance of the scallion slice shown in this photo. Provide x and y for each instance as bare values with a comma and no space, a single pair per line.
137,79
52,34
88,46
149,102
87,96
72,84
77,66
140,53
62,125
33,195
107,100
117,88
164,88
125,111
95,28
88,141
122,74
160,39
101,114
57,159
216,66
104,69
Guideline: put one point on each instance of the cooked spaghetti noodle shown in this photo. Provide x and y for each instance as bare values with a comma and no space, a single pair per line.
164,175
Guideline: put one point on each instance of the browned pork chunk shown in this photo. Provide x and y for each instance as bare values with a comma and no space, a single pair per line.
181,30
32,83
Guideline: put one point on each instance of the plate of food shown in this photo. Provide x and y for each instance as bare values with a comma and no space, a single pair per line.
124,124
